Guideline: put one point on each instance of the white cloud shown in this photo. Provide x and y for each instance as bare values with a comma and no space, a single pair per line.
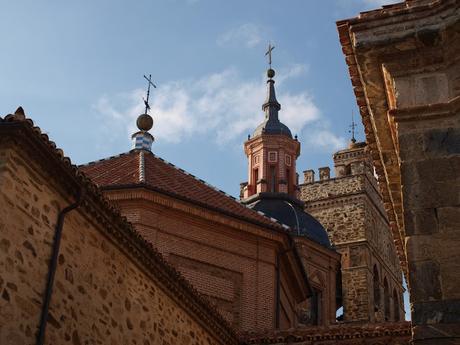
377,3
326,140
221,106
247,34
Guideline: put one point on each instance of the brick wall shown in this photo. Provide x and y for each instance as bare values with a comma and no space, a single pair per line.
101,294
230,261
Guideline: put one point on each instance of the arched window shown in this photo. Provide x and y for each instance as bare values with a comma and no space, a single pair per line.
309,312
396,305
377,301
386,299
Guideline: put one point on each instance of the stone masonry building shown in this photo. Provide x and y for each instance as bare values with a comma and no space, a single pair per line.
404,65
351,209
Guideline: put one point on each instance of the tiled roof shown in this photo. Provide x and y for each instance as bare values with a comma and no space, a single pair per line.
139,167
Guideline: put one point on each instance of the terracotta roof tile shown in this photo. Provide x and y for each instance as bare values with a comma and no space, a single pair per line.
123,170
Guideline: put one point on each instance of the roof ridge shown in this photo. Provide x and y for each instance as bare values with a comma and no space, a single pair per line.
195,177
268,219
221,191
104,159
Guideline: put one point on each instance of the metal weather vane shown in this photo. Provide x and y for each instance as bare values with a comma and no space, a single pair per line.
352,126
146,101
269,53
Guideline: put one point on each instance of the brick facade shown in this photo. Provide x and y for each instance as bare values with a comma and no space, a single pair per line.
232,263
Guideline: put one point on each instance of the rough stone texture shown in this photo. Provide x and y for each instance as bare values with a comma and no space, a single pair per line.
101,294
404,67
350,208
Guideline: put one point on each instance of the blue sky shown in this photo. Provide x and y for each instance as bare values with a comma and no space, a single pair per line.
77,66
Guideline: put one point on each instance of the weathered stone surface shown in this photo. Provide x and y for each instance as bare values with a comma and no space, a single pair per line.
351,209
426,283
101,294
411,116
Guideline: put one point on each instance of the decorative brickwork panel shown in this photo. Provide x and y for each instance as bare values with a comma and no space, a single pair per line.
221,286
227,265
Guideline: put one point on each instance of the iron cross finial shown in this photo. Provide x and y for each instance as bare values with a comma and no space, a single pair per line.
269,53
352,126
146,101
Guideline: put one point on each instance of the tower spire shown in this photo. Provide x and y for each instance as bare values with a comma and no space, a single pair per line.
271,105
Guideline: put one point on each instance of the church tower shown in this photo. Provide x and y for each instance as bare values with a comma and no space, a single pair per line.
272,189
271,152
351,209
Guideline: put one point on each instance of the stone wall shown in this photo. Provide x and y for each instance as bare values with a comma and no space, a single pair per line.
430,166
103,293
404,67
351,209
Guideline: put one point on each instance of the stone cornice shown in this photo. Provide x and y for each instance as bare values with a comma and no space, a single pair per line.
345,36
427,112
397,13
345,332
334,200
21,133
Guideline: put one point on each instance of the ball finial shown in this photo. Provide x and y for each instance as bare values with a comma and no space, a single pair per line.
144,122
270,73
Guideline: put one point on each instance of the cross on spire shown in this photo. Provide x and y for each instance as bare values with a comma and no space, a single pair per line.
146,101
269,53
352,126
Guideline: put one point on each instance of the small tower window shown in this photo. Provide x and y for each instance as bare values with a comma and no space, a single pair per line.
272,156
273,179
288,160
386,299
256,176
396,305
376,284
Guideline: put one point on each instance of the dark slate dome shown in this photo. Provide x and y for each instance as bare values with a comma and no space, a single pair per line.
289,211
272,127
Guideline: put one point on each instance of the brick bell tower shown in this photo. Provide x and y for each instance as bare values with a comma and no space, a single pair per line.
271,152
